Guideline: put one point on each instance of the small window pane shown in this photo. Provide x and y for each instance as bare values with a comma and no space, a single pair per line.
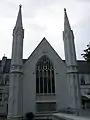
53,86
37,74
49,86
82,80
41,85
45,85
37,85
52,74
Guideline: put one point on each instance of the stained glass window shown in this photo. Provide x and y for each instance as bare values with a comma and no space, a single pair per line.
45,82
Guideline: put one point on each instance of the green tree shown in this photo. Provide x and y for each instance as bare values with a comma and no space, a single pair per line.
86,54
29,116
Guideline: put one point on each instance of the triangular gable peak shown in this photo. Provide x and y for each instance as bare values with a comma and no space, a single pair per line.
40,47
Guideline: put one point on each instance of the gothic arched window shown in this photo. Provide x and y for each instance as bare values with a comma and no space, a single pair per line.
45,82
82,81
7,80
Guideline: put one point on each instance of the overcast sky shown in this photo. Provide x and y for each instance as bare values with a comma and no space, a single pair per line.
44,18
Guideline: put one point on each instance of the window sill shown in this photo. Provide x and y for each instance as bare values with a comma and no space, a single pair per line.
46,94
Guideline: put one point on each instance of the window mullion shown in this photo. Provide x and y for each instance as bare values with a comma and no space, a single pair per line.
51,79
43,79
39,80
47,79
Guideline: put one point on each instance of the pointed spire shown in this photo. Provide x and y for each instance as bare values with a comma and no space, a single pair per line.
44,38
66,21
19,18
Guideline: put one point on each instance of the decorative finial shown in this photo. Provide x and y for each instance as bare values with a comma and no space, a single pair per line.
20,5
66,21
64,9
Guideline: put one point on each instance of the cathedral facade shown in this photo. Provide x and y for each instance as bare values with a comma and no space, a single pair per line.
44,82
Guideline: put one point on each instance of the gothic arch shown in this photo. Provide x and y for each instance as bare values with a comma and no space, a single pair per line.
82,80
7,79
45,81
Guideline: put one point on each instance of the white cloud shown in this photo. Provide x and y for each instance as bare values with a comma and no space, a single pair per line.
44,18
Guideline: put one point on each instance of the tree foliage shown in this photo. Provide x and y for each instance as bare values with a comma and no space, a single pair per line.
86,54
29,116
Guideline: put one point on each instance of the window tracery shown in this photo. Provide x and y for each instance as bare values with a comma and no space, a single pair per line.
45,82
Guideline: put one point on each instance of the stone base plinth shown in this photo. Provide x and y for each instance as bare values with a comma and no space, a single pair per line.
14,118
